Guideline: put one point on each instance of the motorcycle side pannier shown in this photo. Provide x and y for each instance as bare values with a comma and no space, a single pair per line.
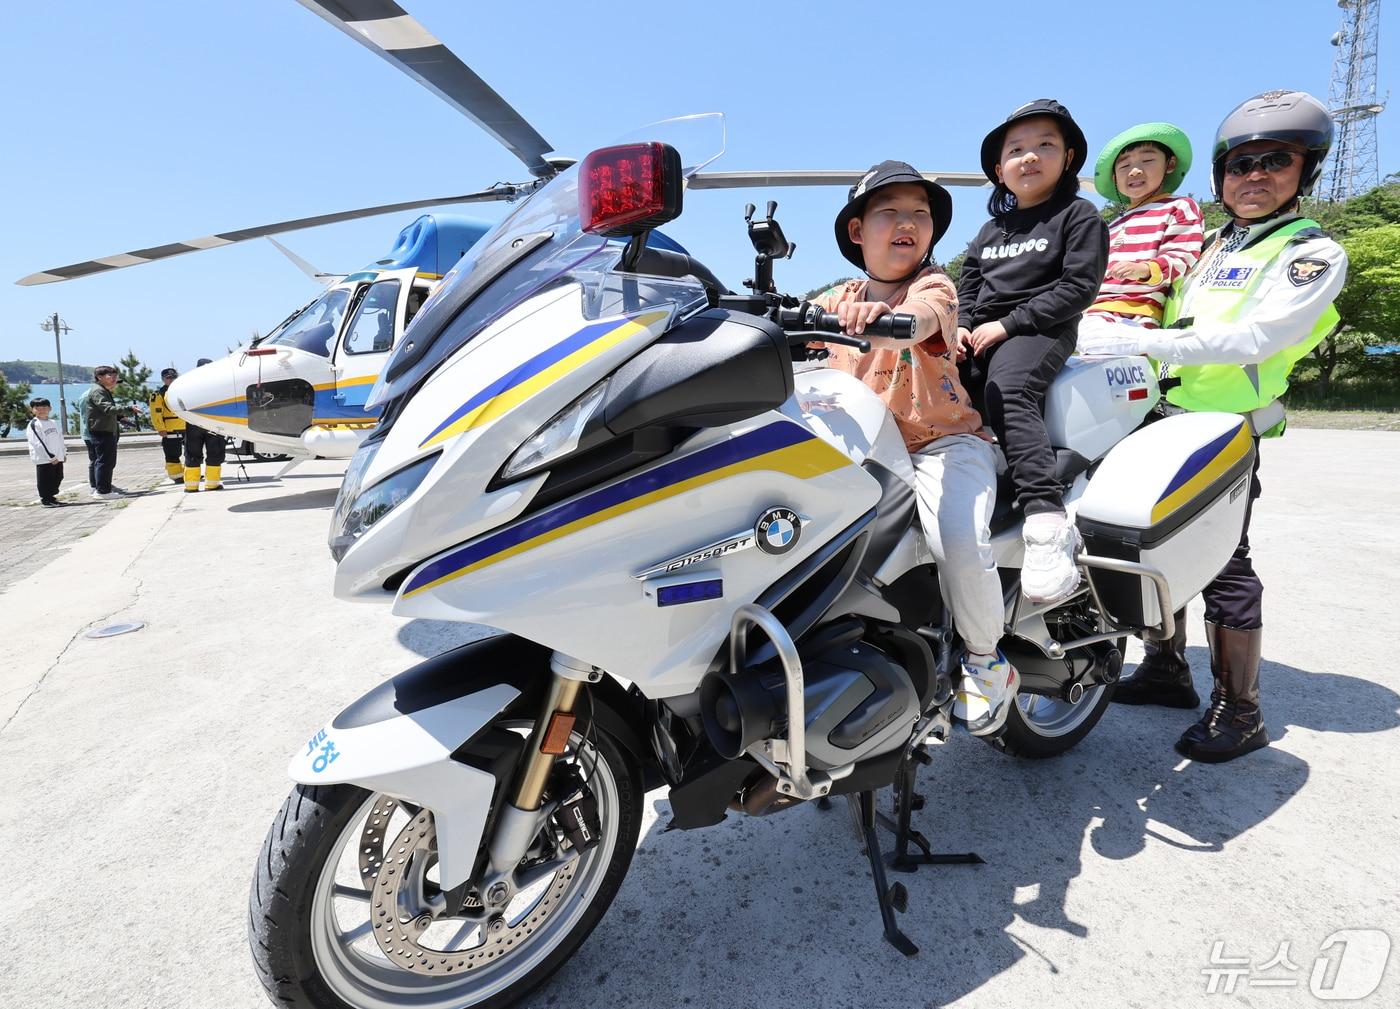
1171,496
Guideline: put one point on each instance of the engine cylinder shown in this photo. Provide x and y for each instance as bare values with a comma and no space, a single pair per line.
858,703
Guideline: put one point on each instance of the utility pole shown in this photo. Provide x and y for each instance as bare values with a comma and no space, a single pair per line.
1353,102
58,327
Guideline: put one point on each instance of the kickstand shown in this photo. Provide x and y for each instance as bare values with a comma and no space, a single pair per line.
906,800
891,898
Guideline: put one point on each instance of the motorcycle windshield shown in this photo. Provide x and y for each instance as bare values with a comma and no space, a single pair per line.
540,243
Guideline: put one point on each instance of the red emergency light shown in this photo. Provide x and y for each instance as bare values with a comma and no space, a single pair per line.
1137,394
261,351
630,189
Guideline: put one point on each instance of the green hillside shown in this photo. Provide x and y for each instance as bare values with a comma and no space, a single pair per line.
44,372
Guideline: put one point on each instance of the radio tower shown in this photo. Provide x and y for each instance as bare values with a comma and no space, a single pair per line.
1353,102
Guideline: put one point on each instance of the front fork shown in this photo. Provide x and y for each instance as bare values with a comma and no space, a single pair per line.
521,816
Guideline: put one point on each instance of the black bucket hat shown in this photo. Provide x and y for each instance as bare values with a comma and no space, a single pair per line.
889,173
1074,136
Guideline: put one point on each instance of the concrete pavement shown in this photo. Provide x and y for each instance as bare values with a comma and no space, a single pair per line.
140,773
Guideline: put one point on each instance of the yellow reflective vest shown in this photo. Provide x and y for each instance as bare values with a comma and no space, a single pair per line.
1221,292
164,419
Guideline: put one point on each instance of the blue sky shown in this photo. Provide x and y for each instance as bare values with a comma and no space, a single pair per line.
132,125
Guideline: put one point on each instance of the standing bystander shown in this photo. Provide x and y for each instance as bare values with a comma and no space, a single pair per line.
203,448
169,425
100,413
46,450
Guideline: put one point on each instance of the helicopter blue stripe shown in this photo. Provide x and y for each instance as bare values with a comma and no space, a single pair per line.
767,439
528,370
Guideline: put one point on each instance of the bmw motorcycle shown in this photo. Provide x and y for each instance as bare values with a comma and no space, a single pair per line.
702,552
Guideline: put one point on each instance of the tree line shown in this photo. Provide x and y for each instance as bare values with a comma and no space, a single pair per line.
132,390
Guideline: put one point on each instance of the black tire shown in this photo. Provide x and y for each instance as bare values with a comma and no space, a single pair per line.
304,835
1020,737
1035,740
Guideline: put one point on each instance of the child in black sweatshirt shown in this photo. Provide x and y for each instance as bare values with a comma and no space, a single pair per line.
1029,275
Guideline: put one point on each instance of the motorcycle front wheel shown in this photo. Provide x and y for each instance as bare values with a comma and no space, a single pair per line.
313,899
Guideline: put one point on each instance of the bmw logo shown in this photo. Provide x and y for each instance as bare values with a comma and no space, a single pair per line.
777,530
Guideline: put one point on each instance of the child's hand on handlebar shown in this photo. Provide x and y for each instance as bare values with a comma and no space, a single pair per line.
854,316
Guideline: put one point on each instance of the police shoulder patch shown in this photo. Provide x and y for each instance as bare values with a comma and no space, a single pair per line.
1306,270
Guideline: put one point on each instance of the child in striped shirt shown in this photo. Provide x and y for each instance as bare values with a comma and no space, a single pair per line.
1158,238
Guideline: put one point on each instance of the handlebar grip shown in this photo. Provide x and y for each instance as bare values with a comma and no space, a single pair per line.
894,325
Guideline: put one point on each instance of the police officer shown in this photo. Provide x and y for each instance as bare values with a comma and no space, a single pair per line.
205,447
170,426
1259,299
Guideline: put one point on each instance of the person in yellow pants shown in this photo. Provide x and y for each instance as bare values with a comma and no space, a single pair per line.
169,425
205,447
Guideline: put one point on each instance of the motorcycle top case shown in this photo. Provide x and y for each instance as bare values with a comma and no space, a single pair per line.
1171,496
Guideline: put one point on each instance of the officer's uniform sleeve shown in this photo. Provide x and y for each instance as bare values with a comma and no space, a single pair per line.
1299,286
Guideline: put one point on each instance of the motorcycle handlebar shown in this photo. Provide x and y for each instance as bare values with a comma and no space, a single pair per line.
808,318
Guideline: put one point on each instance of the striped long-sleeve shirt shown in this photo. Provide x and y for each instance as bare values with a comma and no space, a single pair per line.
1164,233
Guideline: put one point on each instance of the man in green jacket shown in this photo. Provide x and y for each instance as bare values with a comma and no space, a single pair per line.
100,413
1259,299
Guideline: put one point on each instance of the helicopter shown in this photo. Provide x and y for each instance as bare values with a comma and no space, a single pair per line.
301,389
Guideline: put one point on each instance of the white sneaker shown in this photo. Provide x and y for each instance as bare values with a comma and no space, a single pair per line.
93,492
1049,573
985,693
111,495
119,490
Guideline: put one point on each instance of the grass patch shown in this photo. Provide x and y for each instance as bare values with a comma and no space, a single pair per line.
1345,420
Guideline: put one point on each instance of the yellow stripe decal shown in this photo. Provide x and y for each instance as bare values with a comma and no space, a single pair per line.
1233,451
540,372
781,448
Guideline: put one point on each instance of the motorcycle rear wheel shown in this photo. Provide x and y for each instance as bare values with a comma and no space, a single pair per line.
1040,727
307,895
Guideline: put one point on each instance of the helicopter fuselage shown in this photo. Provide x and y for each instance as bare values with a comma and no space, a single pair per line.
301,390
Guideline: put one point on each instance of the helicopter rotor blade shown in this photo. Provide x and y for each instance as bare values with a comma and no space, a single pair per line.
139,256
758,180
386,29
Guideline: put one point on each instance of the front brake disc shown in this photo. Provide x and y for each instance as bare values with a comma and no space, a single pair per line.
400,935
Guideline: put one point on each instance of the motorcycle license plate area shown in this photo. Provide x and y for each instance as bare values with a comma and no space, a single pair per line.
1171,496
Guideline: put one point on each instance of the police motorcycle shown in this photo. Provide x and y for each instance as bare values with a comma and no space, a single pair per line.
708,573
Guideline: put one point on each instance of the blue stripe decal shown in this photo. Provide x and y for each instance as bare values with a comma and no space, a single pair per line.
1197,461
768,439
238,410
528,370
351,406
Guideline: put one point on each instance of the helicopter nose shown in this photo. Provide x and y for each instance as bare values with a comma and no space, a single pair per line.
202,395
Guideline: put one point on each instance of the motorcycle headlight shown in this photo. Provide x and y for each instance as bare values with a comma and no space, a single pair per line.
356,511
558,438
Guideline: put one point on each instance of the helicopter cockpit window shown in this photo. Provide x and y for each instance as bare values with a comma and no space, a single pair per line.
372,330
314,329
416,297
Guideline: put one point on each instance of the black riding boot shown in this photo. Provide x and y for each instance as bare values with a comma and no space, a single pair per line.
1234,724
1163,676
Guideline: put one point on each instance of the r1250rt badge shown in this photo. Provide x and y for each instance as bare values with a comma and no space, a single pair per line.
777,530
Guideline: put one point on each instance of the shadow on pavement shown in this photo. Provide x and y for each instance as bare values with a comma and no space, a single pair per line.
797,884
323,498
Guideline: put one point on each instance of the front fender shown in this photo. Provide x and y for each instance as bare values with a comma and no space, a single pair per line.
399,739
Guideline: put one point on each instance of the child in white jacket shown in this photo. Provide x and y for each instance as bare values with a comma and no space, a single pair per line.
47,451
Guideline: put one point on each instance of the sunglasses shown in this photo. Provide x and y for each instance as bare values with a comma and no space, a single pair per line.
1269,161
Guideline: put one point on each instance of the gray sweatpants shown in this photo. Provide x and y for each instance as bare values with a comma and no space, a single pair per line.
956,481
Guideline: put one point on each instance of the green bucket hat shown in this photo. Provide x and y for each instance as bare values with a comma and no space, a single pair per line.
1165,134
